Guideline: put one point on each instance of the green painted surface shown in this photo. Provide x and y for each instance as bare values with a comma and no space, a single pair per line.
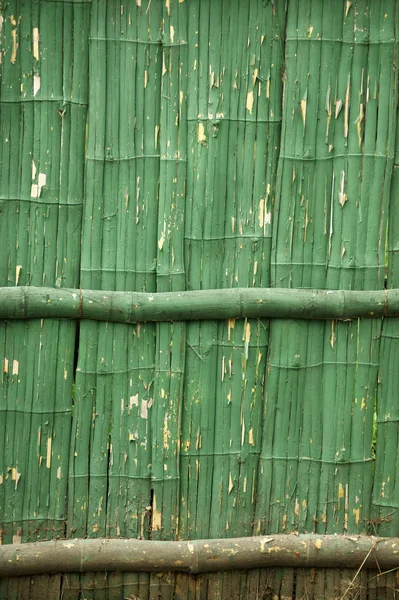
226,144
43,104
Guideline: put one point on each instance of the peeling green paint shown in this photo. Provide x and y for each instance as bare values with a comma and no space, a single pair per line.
164,146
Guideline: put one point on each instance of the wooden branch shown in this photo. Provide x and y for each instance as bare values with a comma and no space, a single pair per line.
198,556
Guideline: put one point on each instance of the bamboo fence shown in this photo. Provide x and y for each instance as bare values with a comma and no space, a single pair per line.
164,166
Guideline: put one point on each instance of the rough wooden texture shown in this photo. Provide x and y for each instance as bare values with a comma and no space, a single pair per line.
199,556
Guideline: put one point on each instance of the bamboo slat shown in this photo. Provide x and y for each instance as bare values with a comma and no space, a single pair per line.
110,473
333,185
234,113
43,105
385,514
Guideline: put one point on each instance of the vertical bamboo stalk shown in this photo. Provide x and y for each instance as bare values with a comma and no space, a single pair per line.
110,490
235,63
333,189
170,345
43,112
385,514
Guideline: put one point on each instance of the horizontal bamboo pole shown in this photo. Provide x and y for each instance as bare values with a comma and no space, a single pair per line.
198,556
132,307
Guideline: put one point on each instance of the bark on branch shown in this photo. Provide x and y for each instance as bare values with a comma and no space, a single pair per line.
198,556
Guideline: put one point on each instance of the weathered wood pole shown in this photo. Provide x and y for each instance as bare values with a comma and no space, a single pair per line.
199,556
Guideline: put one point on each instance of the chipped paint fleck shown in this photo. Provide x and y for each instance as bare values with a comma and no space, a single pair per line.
15,476
250,101
14,46
156,517
303,110
251,437
201,133
134,400
144,409
342,196
48,457
36,84
35,36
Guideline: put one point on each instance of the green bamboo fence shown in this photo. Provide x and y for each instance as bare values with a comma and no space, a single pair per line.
43,107
197,212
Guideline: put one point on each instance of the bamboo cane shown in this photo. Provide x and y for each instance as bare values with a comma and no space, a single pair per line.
198,556
132,307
